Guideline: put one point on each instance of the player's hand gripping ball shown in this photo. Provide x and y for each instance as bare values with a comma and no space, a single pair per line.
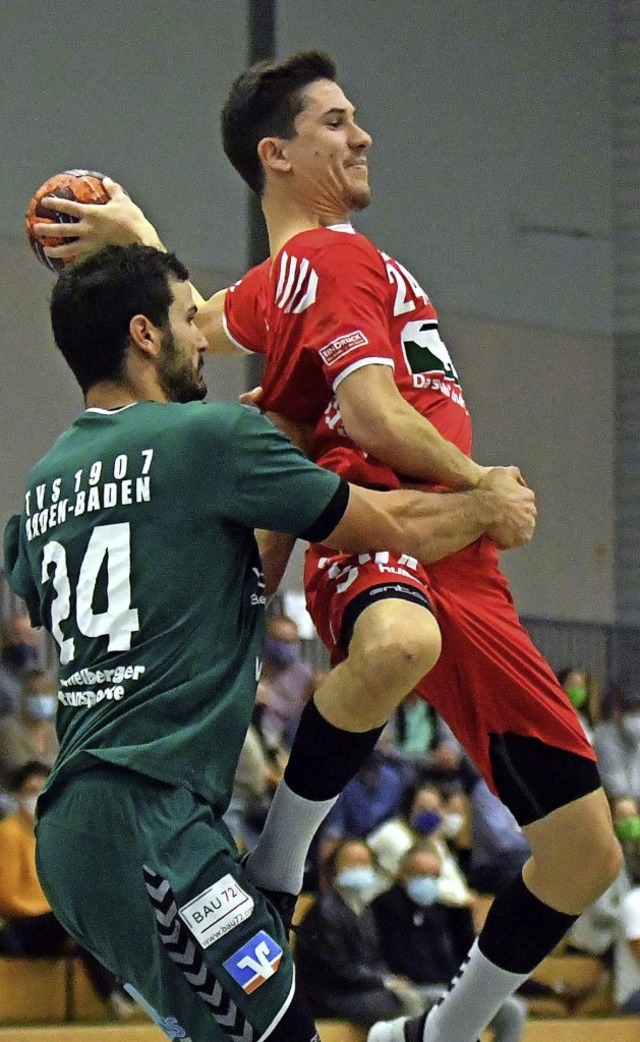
84,186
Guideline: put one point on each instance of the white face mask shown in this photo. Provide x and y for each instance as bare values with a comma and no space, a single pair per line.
28,805
452,824
630,727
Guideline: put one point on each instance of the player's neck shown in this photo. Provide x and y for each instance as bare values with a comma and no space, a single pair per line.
108,394
285,221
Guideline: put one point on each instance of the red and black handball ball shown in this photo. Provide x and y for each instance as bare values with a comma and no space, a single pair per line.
85,186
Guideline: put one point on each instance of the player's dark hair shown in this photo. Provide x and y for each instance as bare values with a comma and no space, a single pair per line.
264,102
94,300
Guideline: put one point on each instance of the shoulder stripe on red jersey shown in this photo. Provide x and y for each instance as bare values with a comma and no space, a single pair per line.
294,295
360,365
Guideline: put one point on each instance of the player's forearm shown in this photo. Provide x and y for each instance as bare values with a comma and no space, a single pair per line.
434,525
411,445
275,551
424,525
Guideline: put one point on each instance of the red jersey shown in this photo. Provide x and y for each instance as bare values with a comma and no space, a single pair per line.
330,304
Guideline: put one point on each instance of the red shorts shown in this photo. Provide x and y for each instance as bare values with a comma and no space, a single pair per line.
490,680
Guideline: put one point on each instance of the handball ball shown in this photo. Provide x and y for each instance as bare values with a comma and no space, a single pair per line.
85,186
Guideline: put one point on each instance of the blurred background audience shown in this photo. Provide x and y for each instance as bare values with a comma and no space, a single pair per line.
30,929
337,952
424,939
20,650
617,738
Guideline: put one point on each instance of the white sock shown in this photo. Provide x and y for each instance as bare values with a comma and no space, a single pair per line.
475,997
278,859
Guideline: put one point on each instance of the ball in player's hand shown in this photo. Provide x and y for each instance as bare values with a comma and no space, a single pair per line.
84,186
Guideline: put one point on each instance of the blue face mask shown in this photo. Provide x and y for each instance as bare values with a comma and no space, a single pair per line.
360,877
42,707
425,821
424,890
281,653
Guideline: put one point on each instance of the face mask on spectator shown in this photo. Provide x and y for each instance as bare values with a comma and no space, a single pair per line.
28,805
577,694
41,706
360,877
425,821
21,655
424,890
452,824
630,727
281,653
628,828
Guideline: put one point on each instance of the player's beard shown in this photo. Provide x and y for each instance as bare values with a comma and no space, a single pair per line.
176,375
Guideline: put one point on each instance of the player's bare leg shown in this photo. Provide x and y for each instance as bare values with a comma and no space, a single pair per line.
575,858
575,854
394,644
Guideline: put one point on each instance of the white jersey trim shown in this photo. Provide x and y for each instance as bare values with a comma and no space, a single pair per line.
360,365
110,412
236,343
348,228
281,1012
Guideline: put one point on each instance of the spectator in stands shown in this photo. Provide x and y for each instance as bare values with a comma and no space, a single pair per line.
617,740
337,949
20,650
419,740
575,683
424,940
290,680
422,816
499,848
373,796
30,929
456,827
30,734
259,770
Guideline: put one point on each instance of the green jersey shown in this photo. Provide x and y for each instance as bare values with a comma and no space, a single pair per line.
135,549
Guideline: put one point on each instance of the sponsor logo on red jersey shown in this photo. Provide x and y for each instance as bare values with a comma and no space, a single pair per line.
337,349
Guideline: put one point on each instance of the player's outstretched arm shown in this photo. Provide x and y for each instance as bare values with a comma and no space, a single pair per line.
121,222
431,525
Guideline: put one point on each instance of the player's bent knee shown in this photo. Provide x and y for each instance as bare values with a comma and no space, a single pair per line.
398,648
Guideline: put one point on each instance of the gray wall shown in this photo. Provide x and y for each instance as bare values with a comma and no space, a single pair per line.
487,116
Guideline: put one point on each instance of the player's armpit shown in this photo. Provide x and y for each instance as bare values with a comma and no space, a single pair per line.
301,434
209,322
431,525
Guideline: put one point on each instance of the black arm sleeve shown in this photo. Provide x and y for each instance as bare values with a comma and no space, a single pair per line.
330,516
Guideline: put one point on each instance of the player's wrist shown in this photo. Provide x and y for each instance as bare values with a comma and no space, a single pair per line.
144,233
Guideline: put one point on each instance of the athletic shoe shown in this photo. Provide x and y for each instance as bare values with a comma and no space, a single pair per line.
283,902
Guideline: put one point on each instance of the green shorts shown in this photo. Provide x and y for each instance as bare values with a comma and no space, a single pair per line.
146,877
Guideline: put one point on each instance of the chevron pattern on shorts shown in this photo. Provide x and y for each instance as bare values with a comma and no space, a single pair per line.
188,956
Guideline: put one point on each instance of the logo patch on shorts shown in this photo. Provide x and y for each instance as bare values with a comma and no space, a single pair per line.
255,962
217,910
337,349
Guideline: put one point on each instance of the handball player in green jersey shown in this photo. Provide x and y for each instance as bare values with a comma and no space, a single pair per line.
135,549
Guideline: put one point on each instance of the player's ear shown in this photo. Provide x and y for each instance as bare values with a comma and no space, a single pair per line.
144,334
272,152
